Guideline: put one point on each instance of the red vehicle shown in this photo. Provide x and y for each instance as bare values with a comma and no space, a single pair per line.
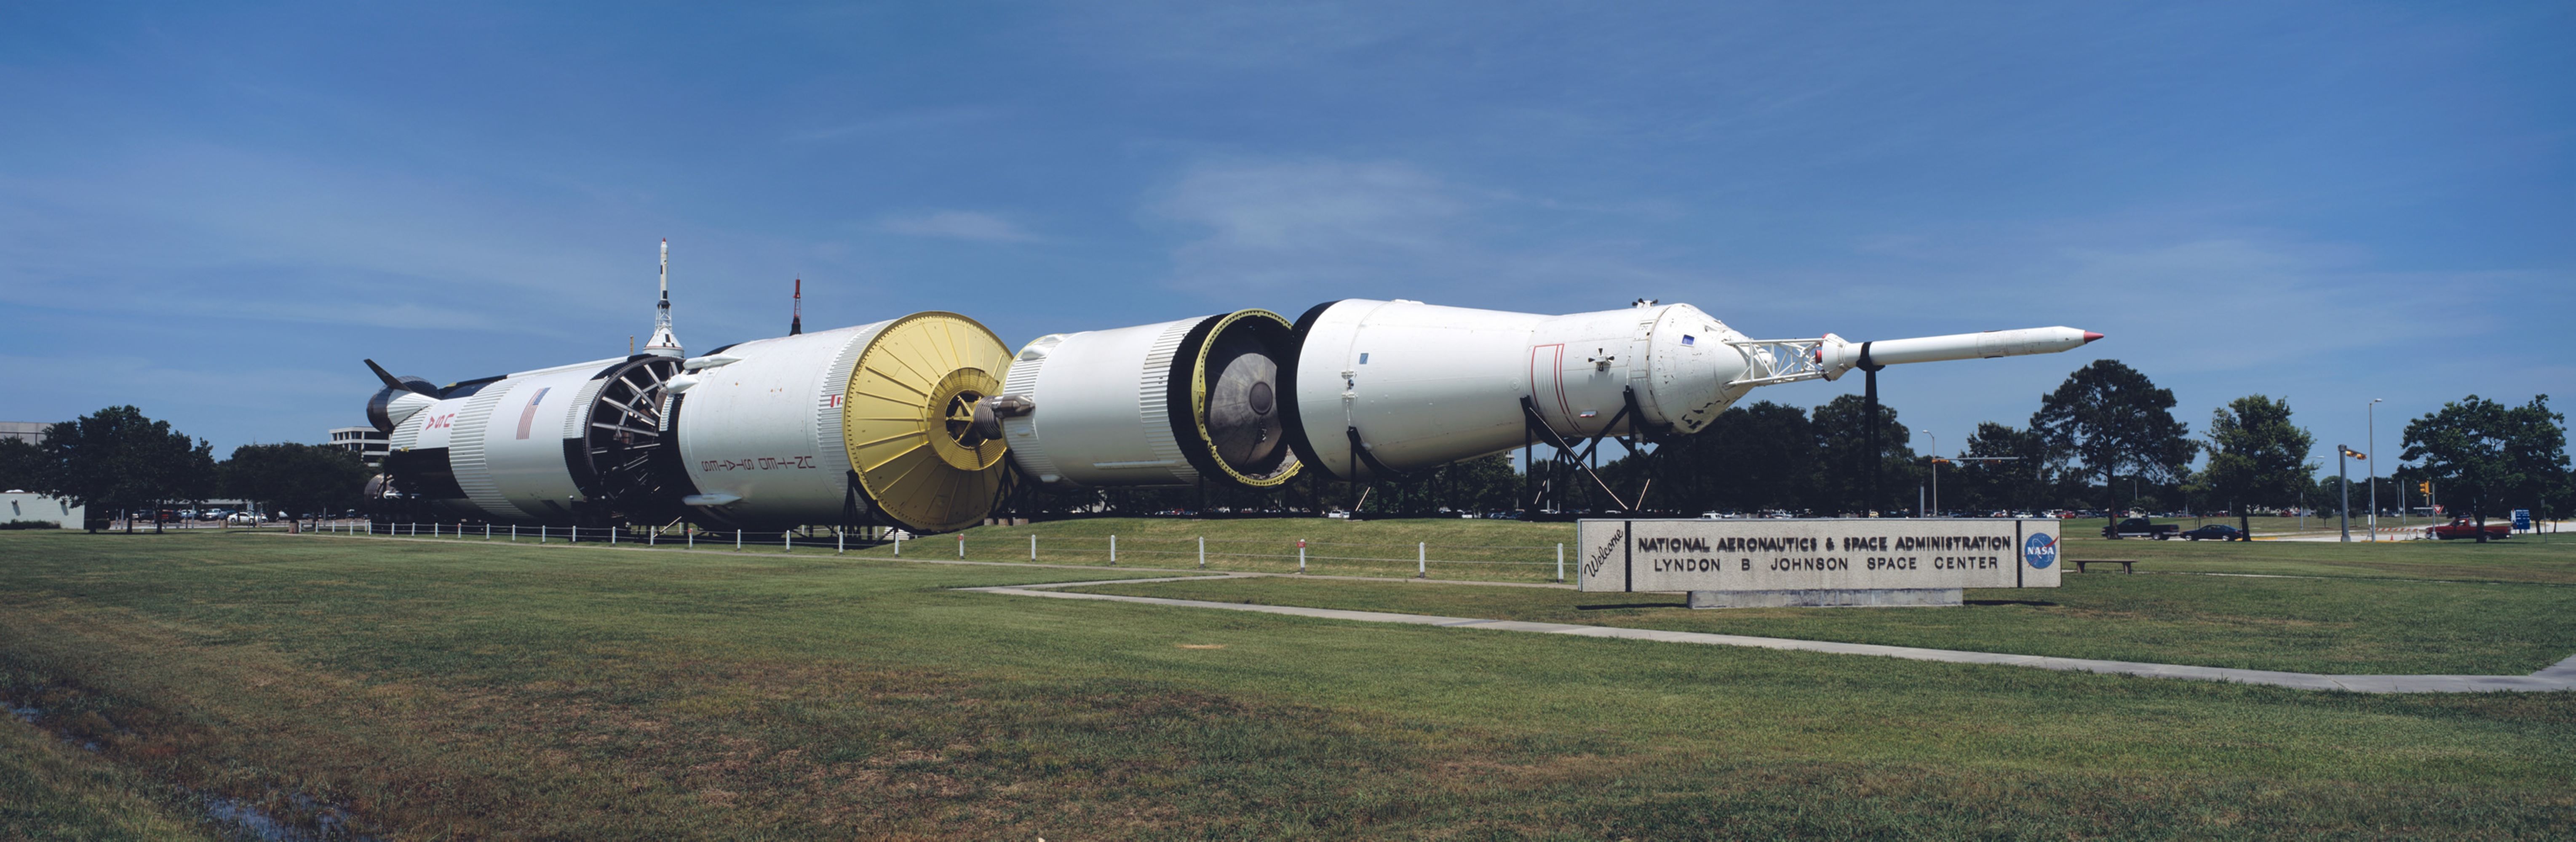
2468,528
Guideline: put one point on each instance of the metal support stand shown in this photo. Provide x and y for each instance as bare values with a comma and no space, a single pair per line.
1869,406
1567,460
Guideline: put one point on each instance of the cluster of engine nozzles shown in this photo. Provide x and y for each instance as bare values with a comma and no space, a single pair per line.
928,422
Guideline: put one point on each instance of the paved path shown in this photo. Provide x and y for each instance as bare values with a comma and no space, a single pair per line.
2561,676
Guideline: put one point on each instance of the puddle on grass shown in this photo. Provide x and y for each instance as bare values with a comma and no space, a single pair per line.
249,819
329,821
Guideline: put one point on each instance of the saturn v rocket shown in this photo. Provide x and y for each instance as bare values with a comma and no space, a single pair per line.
929,421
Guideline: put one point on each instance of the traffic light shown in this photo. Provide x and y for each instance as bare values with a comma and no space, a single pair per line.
2425,488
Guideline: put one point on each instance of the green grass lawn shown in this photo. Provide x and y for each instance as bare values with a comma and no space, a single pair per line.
471,690
50,789
2536,559
2263,525
1457,548
2337,626
1526,552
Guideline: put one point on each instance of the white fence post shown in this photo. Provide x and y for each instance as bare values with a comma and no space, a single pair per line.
1422,560
840,540
1113,549
786,540
898,546
1033,547
1301,555
487,532
693,536
1202,552
1560,561
542,529
737,539
961,545
612,534
653,538
514,533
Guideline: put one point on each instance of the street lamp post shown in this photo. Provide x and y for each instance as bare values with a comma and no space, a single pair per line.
2373,414
1936,469
2343,478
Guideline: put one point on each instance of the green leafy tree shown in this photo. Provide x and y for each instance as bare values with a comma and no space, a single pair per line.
1843,457
118,460
2490,455
2011,470
2108,417
2257,457
1749,458
295,478
23,465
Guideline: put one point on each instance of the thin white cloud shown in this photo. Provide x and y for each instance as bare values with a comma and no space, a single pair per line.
896,123
1267,224
957,225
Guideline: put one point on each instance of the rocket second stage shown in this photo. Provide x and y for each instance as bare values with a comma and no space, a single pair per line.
1384,388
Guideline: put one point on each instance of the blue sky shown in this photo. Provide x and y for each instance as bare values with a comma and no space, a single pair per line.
213,211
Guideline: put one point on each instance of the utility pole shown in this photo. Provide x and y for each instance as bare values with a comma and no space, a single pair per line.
2373,414
2343,477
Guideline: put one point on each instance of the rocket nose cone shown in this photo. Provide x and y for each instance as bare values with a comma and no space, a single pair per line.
2089,336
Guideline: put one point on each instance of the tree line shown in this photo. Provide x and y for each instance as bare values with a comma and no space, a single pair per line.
117,460
2104,439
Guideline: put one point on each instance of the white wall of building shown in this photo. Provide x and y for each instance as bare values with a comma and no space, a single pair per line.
20,505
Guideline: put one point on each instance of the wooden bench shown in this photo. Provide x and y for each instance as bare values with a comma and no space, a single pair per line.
2127,565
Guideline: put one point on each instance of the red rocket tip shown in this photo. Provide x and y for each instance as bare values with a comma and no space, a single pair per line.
2089,336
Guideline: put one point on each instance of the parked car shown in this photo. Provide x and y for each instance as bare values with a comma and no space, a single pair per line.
2467,528
2215,532
2138,527
242,518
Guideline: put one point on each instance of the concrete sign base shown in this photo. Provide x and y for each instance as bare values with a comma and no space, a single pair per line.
1874,598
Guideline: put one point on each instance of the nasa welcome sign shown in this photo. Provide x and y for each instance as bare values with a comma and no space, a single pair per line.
1827,554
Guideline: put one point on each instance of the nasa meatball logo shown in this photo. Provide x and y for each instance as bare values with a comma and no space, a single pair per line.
2040,551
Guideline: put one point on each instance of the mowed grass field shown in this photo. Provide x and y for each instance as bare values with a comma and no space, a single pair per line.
465,689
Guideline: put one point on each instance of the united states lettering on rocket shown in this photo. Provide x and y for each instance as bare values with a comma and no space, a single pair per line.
929,422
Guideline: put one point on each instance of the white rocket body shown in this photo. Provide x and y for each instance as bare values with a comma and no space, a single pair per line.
1418,385
909,421
508,449
760,435
1155,405
1102,416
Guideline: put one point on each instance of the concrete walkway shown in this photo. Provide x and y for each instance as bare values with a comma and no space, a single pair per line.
2561,676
